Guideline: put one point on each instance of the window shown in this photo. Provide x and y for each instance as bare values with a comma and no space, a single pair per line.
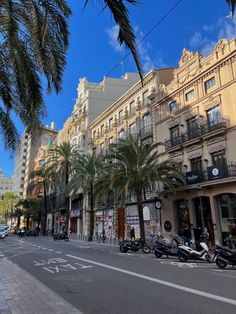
189,96
110,140
209,83
132,128
110,123
102,129
94,135
120,116
219,158
173,106
145,99
147,121
192,127
102,148
121,134
132,107
213,116
174,132
196,164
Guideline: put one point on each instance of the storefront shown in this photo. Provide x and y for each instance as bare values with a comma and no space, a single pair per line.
104,220
75,215
227,214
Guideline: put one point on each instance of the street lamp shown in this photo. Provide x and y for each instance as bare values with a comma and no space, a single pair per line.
200,193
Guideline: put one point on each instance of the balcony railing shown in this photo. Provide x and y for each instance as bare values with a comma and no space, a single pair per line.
212,173
196,132
146,131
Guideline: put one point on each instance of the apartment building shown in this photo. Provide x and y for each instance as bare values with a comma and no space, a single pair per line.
92,99
131,114
6,184
195,115
26,155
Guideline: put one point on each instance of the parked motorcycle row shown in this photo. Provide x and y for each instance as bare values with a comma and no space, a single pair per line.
175,246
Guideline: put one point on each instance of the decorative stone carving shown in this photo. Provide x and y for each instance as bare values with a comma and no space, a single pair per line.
173,122
217,148
212,101
195,155
220,46
216,140
186,56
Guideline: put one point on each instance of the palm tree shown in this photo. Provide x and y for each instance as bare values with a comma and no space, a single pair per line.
136,166
60,161
41,181
87,172
33,42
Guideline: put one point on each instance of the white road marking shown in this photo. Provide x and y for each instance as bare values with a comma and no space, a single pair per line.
159,281
58,252
51,250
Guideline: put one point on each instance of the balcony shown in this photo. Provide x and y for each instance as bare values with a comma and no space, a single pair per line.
212,173
204,130
146,131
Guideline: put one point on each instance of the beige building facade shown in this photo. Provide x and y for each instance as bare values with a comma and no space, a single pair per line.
195,115
131,114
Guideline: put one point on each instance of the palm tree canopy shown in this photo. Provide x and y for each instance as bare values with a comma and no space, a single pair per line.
137,166
60,161
232,5
33,42
86,172
40,179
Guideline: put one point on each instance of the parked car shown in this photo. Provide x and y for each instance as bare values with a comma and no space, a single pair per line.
6,229
2,232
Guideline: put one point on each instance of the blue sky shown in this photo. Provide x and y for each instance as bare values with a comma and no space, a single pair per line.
93,51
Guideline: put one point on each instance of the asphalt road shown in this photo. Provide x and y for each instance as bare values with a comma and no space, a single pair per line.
100,279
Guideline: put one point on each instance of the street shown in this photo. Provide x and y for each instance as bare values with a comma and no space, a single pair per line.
97,278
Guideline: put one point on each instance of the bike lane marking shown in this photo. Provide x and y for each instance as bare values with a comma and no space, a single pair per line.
159,281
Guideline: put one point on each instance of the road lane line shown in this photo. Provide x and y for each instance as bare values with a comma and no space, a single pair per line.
159,281
58,252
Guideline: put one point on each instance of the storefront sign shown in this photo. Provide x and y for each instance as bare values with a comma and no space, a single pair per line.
215,172
75,213
193,177
158,204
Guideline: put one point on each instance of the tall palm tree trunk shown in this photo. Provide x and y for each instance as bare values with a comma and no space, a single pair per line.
140,214
44,227
67,202
91,227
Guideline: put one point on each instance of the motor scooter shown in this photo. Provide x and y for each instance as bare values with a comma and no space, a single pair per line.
187,253
224,257
133,245
168,249
60,236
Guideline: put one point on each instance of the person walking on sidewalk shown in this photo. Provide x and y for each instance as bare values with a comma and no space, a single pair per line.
132,233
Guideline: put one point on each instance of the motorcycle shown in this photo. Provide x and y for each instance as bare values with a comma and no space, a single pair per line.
185,253
168,249
134,245
224,256
60,236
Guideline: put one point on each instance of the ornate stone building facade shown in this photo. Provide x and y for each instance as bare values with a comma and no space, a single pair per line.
196,118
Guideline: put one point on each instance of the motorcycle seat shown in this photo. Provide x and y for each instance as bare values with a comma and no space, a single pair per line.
226,249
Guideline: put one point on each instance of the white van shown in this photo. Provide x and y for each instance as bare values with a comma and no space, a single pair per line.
6,229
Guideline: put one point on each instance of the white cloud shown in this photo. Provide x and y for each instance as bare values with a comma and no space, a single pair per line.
205,41
149,59
112,38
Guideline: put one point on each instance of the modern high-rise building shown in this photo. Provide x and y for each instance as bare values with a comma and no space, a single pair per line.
26,155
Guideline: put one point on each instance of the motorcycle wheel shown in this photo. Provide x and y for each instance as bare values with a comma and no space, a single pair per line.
182,257
208,258
220,263
158,254
123,248
66,239
54,238
146,249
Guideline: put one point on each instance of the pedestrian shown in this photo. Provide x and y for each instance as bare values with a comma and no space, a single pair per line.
132,233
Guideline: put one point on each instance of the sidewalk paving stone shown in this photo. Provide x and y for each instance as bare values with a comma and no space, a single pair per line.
19,289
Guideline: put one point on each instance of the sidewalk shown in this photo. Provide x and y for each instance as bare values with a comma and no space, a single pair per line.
21,293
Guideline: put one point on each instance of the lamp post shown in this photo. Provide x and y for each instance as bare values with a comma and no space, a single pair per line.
200,193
